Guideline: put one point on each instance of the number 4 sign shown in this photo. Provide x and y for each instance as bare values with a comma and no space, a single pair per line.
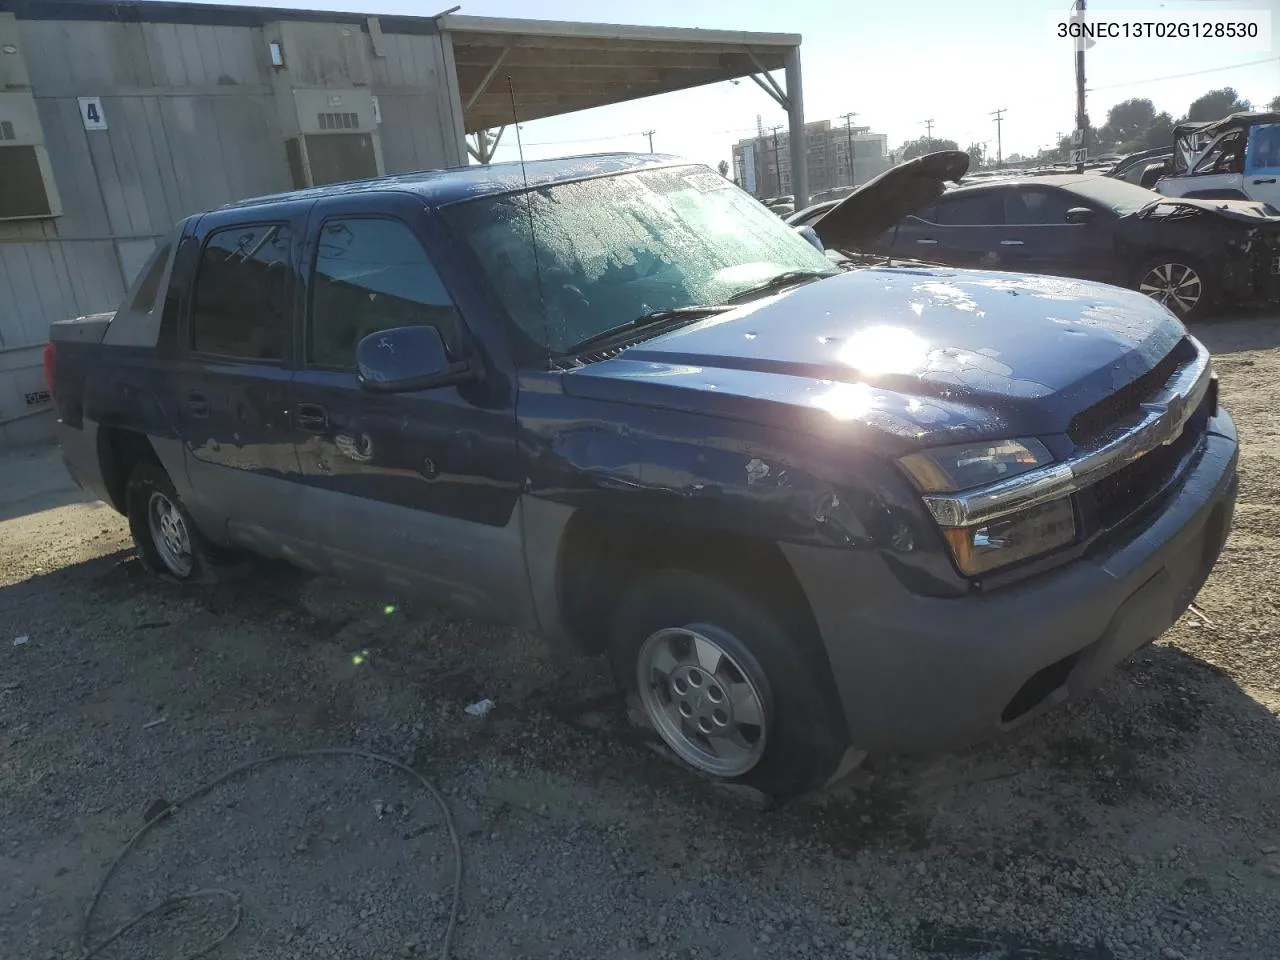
92,114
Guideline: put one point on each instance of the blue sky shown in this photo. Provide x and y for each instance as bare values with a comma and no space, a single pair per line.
894,62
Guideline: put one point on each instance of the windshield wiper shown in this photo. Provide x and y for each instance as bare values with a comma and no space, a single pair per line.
788,279
640,322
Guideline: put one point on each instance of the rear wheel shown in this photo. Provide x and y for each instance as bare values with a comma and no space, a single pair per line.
167,540
729,690
1177,282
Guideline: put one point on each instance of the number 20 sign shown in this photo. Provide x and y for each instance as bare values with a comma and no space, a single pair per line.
92,114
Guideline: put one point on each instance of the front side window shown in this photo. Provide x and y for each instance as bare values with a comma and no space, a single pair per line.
971,210
370,275
611,249
242,293
1037,206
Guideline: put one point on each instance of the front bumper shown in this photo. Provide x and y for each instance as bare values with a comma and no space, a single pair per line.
919,674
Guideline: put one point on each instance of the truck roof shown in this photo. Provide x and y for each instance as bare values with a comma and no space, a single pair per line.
455,184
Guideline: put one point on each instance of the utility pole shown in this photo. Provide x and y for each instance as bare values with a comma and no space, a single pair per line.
1082,119
999,115
777,170
649,134
848,132
928,133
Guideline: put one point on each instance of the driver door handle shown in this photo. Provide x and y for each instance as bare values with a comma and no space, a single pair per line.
1010,243
927,241
1268,180
311,417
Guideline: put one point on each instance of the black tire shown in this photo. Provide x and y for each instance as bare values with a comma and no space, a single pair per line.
1176,262
148,486
804,738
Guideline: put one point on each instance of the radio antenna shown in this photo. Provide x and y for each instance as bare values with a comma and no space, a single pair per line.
528,205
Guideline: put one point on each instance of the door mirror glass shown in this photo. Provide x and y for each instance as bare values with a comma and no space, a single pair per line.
402,359
1079,215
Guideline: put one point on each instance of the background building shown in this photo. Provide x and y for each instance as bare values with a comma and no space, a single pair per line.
118,119
762,164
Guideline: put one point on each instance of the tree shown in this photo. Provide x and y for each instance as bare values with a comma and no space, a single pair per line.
1159,133
723,167
977,155
1217,104
918,148
1274,105
1126,121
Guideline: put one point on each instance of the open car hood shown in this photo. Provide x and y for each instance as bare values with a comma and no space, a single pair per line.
884,200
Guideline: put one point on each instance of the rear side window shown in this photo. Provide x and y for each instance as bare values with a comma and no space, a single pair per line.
972,210
370,275
1037,205
242,293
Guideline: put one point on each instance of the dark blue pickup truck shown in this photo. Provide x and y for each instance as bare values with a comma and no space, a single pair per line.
812,504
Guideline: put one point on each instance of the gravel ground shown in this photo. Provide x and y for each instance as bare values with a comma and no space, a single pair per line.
1141,822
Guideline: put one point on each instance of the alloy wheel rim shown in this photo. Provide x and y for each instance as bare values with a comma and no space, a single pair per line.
1175,285
169,534
701,701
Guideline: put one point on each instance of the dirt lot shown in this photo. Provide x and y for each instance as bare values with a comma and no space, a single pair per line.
1143,822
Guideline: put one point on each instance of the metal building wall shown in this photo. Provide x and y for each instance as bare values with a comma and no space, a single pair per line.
193,121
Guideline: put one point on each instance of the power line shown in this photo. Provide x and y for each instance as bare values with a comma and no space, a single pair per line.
1191,73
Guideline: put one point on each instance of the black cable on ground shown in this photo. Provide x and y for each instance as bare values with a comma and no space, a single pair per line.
88,952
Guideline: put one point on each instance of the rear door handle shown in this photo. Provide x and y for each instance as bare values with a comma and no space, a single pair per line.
1010,243
198,404
1268,180
311,417
927,241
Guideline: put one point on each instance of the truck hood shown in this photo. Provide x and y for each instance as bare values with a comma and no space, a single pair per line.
911,356
884,200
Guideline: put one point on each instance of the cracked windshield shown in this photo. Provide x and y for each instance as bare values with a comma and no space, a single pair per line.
573,261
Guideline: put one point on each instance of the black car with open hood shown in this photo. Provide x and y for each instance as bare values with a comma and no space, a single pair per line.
1191,254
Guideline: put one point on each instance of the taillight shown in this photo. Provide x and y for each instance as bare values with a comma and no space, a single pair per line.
48,367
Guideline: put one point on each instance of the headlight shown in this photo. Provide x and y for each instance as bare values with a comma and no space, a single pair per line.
965,465
981,547
1019,536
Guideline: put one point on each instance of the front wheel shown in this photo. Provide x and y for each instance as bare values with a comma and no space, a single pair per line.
1177,282
730,691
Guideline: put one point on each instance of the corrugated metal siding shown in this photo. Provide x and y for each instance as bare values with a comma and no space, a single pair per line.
192,123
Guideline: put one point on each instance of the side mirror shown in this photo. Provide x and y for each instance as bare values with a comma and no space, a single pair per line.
403,359
811,235
1079,215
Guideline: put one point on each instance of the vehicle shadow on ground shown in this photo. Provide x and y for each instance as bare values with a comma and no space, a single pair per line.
1239,331
33,479
1160,702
